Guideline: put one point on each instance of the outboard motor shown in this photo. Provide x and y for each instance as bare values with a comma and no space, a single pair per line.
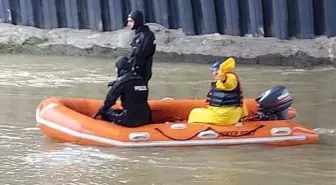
274,103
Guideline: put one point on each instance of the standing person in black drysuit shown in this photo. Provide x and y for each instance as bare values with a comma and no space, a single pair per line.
133,92
143,45
132,84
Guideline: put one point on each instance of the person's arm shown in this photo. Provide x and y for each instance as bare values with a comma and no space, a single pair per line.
144,46
112,96
227,81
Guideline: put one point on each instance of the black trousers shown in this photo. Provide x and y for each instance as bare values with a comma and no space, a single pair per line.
114,115
122,118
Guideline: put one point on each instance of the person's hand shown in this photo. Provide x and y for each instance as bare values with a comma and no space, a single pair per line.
110,84
221,76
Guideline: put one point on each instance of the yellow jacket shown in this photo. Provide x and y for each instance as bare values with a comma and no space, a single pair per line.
221,115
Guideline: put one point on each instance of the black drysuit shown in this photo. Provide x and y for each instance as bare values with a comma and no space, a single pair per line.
133,92
143,46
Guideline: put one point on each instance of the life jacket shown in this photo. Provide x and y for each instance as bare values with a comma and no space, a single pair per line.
213,85
219,97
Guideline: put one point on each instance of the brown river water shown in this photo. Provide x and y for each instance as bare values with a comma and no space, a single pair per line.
29,158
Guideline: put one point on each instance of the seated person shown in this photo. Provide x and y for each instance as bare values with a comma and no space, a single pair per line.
133,93
214,68
225,102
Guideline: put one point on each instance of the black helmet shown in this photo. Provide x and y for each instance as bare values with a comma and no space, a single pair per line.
123,65
138,18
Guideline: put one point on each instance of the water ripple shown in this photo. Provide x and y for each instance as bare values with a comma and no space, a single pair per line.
47,78
70,156
325,131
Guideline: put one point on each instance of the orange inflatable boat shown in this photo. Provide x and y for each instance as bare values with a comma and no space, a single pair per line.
69,120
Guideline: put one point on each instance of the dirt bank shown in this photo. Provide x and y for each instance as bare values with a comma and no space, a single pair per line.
172,46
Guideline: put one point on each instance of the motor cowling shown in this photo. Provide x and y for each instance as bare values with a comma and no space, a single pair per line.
275,102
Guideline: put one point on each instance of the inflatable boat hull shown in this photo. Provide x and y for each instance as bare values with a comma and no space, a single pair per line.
69,120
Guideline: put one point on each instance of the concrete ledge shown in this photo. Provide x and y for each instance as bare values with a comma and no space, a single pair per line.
172,46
